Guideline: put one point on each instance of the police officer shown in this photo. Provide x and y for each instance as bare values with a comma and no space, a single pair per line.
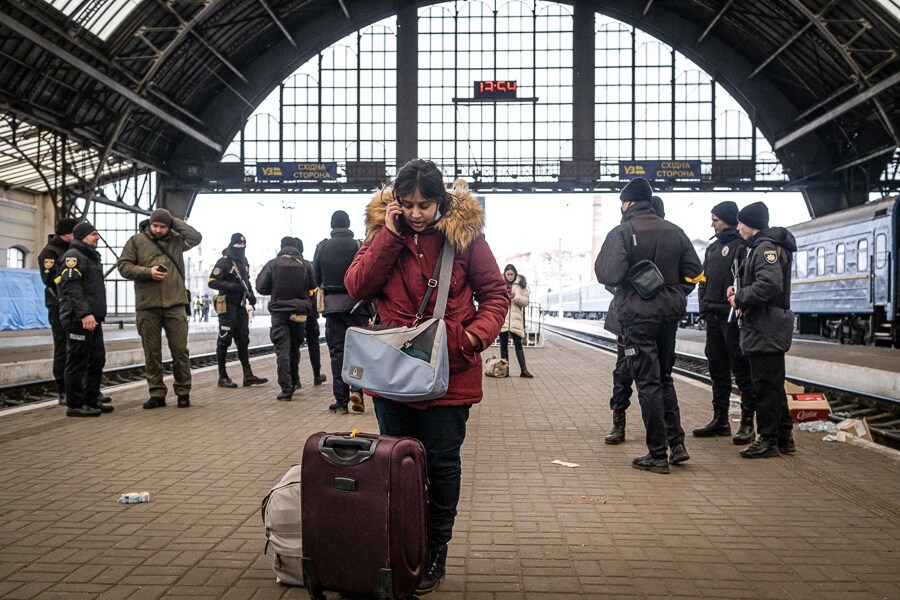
48,260
649,324
312,328
723,350
330,263
82,308
622,380
286,278
767,325
231,277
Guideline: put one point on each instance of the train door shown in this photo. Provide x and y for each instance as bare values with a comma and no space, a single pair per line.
883,281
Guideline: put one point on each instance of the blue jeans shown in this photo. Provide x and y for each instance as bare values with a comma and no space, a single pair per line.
442,430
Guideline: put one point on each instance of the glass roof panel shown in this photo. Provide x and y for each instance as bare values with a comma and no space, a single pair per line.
100,17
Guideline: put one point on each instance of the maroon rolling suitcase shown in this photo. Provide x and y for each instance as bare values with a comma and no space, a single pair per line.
364,520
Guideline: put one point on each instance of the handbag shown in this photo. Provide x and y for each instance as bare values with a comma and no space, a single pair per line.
407,364
645,277
496,367
187,292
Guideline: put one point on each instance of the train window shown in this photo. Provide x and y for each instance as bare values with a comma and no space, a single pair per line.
862,256
801,264
820,261
839,258
880,250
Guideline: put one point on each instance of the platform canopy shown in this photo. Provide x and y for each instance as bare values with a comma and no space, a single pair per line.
91,90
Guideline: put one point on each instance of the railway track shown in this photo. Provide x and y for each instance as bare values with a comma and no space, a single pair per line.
882,414
19,394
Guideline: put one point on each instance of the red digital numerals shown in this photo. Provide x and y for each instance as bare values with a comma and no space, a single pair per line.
497,88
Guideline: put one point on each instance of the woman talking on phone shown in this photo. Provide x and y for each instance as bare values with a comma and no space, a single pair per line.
406,225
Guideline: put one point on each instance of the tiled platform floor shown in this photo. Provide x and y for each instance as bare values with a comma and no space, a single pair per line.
823,523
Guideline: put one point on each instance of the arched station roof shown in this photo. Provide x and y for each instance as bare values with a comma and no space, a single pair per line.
154,83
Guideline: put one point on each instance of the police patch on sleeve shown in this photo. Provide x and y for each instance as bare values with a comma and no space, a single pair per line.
216,271
71,261
48,263
771,256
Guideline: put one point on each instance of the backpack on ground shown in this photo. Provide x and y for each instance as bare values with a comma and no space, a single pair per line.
496,367
280,512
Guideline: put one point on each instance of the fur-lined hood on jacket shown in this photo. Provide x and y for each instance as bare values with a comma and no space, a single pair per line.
461,224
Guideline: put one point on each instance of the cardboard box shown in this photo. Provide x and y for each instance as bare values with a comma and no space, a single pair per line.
855,428
792,388
808,407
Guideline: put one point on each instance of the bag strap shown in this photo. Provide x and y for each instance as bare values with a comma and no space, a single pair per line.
169,256
441,280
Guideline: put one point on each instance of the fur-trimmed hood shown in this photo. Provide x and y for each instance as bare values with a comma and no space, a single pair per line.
461,224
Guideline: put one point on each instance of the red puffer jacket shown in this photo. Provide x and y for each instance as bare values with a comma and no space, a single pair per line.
395,269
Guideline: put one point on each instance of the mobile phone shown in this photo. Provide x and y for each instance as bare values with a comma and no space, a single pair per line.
162,269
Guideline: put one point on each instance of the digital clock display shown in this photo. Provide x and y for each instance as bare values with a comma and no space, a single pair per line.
497,89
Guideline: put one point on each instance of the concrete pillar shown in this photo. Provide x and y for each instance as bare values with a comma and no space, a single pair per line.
407,83
583,84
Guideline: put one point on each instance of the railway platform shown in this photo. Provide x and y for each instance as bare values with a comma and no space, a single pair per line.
822,523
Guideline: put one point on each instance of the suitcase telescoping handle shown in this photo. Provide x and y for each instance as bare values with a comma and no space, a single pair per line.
344,450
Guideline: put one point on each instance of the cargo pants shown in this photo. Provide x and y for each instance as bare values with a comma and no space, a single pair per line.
151,323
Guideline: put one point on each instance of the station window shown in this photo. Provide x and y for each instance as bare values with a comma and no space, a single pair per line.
15,258
801,264
880,250
820,261
862,255
839,257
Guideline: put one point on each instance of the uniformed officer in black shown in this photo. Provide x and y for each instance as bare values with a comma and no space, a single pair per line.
231,277
723,347
767,325
622,380
312,329
82,308
48,260
649,325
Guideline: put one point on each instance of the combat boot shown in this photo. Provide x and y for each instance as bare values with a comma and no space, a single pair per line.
319,379
434,574
719,426
761,448
617,433
251,379
745,433
226,382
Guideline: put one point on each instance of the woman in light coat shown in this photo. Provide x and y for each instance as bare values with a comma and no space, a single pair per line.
515,319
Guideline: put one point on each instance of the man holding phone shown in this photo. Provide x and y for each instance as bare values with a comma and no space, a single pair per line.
160,297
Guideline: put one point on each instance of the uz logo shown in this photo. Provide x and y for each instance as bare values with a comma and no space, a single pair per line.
356,372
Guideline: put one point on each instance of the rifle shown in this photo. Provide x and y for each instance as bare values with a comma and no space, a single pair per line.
735,270
234,269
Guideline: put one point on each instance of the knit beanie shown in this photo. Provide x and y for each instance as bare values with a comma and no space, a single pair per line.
288,241
637,190
161,215
340,219
727,212
755,215
82,230
298,244
66,226
238,238
658,207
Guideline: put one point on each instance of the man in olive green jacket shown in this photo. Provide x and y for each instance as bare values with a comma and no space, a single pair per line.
154,259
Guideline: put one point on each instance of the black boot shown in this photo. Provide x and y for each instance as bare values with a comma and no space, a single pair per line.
761,448
745,433
617,434
319,379
251,379
719,426
226,382
520,357
434,574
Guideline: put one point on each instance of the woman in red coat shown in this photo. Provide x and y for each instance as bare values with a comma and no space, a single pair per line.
406,224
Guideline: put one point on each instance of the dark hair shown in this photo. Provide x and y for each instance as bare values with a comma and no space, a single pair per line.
422,175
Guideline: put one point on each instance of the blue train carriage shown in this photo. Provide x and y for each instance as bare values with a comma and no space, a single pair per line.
845,274
591,301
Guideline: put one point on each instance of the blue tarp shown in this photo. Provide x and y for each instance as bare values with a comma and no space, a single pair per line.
22,300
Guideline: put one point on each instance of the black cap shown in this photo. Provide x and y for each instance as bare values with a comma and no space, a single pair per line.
298,243
727,211
161,215
755,215
66,226
288,241
637,190
658,207
82,230
340,219
238,238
